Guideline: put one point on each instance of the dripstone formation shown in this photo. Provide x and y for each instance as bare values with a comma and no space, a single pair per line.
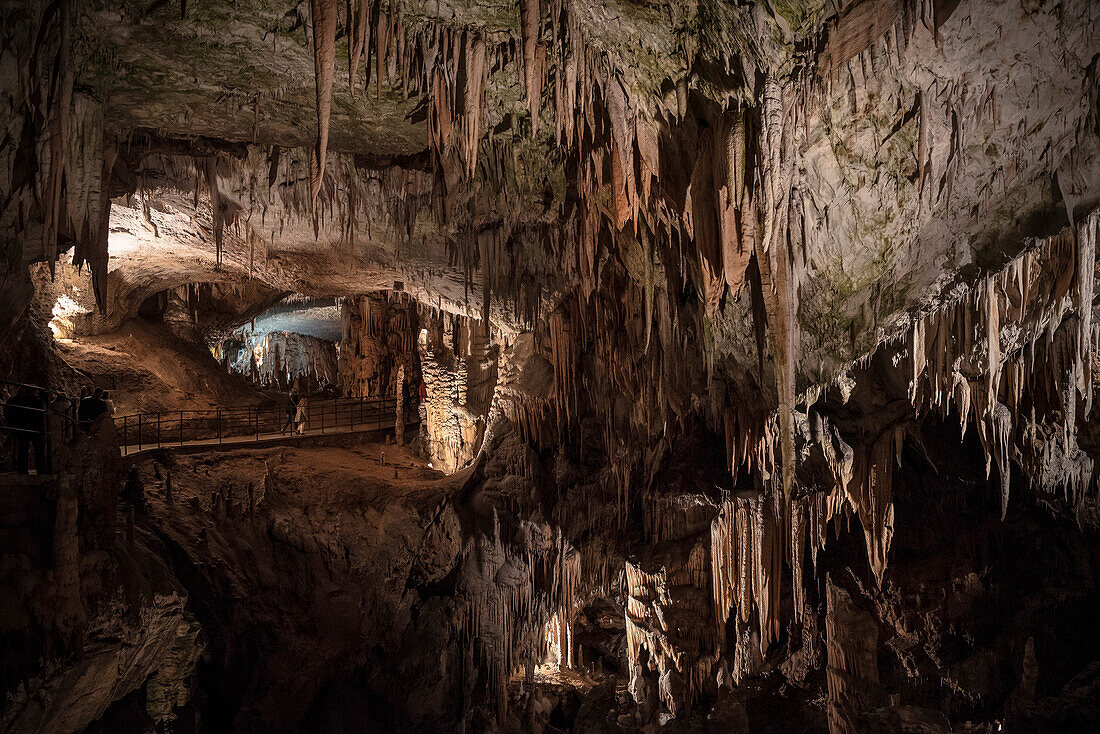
751,344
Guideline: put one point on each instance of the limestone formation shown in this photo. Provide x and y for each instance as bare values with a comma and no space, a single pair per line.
751,346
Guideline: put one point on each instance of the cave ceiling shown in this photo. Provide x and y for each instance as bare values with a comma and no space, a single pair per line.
1001,110
776,188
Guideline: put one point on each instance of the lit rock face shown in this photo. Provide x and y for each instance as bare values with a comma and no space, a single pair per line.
459,368
379,339
282,357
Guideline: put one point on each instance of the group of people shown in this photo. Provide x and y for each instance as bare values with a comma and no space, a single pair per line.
93,403
297,413
39,420
25,419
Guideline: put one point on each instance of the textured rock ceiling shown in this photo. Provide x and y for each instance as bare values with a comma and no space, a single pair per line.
1000,105
799,180
775,189
239,72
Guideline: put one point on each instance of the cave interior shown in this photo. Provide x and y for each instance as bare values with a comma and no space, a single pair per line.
544,366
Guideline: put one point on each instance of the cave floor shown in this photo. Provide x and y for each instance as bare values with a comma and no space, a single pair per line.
147,366
262,440
309,476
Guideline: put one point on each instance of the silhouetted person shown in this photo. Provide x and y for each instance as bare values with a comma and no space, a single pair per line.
25,413
110,403
291,410
91,408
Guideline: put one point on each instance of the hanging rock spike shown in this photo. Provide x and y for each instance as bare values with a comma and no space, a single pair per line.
323,18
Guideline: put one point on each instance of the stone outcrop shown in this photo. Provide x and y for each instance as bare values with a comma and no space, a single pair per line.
90,615
310,582
379,339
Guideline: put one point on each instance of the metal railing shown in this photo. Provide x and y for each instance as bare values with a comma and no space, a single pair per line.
142,431
44,422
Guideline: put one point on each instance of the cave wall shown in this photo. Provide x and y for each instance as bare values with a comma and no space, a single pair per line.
378,346
273,356
92,611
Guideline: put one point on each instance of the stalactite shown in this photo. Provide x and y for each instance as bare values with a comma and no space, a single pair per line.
323,19
747,551
731,195
98,256
59,126
773,258
993,343
534,57
210,172
359,33
382,34
870,493
475,100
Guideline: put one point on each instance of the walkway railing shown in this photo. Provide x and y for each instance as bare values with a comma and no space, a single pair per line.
35,419
142,431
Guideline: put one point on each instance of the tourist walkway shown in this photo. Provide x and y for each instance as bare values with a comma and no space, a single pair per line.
255,425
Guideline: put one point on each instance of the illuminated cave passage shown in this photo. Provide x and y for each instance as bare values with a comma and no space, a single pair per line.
547,367
293,343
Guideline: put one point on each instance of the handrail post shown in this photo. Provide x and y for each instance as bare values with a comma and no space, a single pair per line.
158,429
181,428
139,431
219,428
47,437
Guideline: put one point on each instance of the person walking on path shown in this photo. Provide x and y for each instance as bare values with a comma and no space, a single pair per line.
291,411
301,416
